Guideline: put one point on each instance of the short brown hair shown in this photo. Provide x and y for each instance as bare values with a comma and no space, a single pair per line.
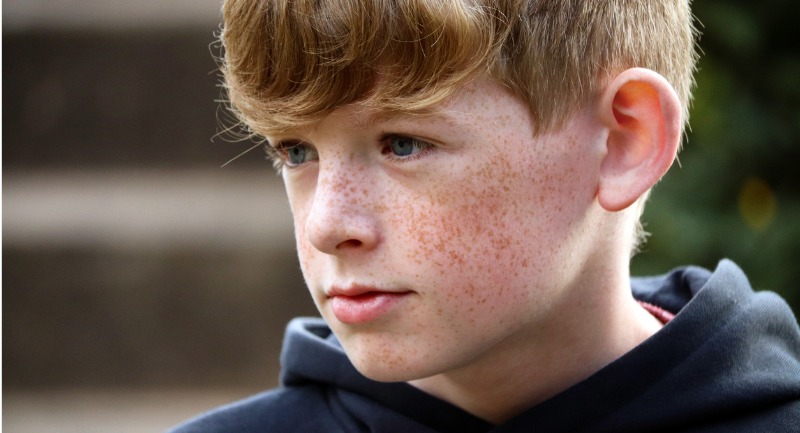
288,62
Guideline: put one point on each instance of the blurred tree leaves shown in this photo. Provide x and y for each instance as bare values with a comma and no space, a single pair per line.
736,190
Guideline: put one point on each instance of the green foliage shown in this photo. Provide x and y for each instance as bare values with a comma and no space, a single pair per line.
736,190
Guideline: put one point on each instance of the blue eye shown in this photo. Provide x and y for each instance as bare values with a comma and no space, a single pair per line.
297,153
403,146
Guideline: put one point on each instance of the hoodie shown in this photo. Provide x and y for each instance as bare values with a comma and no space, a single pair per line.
729,361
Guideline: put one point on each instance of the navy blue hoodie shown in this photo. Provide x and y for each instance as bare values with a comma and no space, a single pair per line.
728,362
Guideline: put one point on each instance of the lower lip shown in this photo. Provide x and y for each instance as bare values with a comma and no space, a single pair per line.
364,308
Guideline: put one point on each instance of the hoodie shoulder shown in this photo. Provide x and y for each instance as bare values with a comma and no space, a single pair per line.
728,362
307,346
275,411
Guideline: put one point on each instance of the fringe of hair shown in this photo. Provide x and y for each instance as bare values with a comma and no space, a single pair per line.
287,63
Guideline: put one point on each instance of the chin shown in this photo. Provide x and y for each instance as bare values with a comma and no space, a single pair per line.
384,375
388,357
389,367
383,372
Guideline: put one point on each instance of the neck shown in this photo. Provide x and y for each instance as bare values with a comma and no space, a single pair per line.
590,328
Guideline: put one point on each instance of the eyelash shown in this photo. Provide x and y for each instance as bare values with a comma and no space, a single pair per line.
273,155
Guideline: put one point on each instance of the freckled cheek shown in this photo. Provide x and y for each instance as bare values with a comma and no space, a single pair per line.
466,247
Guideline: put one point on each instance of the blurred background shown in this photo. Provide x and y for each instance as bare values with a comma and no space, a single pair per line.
143,283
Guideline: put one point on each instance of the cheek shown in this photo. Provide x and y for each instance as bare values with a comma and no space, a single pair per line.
464,240
491,239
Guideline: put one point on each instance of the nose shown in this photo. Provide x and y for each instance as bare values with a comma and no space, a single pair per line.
342,217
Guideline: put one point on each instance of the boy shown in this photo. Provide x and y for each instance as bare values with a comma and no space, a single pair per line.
466,180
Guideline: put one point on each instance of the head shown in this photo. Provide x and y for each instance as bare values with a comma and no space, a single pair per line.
472,159
289,63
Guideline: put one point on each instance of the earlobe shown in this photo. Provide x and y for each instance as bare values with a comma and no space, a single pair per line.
642,114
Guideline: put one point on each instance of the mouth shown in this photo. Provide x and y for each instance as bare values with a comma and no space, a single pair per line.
357,304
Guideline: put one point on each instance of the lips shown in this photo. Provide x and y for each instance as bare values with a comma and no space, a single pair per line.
359,304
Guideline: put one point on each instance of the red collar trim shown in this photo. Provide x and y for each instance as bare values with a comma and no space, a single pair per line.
659,313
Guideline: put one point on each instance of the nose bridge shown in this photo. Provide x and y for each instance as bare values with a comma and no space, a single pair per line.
339,179
340,216
335,190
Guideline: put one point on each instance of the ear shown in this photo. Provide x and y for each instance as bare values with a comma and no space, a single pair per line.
642,113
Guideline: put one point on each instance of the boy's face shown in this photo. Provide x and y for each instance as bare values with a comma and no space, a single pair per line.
432,243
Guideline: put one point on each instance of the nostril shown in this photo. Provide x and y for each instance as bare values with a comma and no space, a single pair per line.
350,243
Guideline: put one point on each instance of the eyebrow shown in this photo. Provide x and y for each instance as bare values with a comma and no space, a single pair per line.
436,114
